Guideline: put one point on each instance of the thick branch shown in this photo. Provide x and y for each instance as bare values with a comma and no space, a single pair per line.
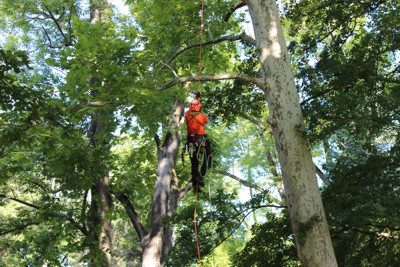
243,36
321,175
98,104
84,206
20,201
245,183
256,81
133,216
184,190
233,9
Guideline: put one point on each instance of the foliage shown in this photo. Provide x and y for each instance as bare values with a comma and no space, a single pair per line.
345,56
346,61
220,221
271,244
362,207
346,65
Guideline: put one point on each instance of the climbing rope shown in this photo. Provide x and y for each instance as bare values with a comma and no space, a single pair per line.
201,45
199,86
195,224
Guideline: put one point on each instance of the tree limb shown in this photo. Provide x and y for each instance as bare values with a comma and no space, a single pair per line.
18,228
133,216
233,9
256,122
243,36
21,201
321,175
84,206
184,190
219,77
245,183
56,22
98,104
368,232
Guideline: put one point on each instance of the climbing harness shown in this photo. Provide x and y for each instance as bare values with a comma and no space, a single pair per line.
200,147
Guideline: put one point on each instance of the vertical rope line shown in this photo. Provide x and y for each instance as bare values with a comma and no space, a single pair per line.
195,225
199,85
201,44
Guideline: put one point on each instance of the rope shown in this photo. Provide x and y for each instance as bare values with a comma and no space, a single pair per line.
199,85
195,225
201,44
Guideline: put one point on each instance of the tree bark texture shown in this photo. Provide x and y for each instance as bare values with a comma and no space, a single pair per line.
158,241
303,197
100,228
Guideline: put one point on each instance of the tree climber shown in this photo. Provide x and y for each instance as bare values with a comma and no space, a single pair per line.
197,145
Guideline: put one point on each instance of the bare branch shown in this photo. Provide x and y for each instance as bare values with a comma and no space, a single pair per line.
219,77
98,104
157,140
184,190
56,21
253,120
21,201
233,9
84,206
133,216
169,67
243,36
321,175
245,183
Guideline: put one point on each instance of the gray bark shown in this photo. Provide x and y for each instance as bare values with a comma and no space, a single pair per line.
100,229
158,241
303,198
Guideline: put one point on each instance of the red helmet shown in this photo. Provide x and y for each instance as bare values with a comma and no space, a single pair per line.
195,105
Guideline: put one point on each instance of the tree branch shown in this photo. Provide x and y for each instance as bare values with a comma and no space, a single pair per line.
133,216
256,122
321,175
21,201
219,77
184,190
243,36
233,9
368,232
66,41
98,104
18,228
245,183
84,206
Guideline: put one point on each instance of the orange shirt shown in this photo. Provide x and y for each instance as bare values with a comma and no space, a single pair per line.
195,122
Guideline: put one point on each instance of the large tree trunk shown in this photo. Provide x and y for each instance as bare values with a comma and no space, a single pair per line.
157,242
303,198
100,228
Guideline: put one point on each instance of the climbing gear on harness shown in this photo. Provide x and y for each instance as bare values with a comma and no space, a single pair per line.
200,151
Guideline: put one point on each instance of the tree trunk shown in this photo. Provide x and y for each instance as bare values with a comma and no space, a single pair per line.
158,241
303,198
100,228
